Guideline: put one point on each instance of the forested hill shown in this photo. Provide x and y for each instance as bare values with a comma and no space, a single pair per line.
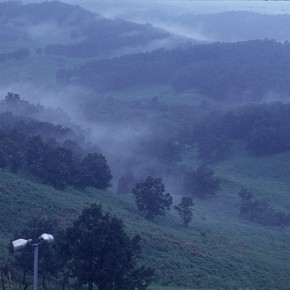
70,31
53,154
14,12
235,72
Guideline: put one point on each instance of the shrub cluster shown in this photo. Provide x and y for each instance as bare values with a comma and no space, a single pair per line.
260,212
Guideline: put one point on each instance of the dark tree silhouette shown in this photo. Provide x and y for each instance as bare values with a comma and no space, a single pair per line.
102,254
34,153
58,167
151,197
12,98
94,171
202,182
260,212
184,209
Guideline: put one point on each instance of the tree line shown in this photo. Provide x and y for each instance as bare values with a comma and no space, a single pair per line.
263,127
38,147
211,69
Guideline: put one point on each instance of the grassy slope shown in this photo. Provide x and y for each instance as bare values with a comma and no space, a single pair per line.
217,251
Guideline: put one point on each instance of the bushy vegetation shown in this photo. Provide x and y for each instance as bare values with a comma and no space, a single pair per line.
151,197
96,242
201,182
184,209
260,212
54,162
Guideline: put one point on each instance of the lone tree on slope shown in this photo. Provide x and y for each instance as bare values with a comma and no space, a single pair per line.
151,197
185,209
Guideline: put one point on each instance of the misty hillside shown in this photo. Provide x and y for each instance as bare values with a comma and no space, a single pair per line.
184,140
39,39
66,30
229,26
237,26
228,72
217,249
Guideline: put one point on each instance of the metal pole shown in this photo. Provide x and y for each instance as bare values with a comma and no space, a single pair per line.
35,268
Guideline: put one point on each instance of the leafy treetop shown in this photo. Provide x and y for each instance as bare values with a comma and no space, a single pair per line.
151,197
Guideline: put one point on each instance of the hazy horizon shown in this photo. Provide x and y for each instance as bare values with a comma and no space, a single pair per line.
113,8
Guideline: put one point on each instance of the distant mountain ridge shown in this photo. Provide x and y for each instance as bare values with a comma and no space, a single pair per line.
226,26
33,14
238,25
80,33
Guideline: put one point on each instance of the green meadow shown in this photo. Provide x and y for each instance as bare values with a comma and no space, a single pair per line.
217,251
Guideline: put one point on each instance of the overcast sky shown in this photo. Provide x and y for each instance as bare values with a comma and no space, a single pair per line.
117,8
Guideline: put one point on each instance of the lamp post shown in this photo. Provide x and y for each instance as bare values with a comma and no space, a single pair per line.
22,243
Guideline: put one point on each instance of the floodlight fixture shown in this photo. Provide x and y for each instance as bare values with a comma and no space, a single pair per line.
46,238
19,244
22,243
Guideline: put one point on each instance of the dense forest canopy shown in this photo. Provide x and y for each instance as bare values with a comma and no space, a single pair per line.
233,72
249,66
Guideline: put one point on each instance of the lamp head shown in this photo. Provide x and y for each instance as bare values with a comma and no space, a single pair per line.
19,244
46,238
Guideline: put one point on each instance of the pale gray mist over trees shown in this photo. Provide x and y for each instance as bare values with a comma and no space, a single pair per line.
177,112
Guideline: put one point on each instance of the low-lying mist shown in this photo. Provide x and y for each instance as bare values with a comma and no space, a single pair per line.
137,146
142,136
